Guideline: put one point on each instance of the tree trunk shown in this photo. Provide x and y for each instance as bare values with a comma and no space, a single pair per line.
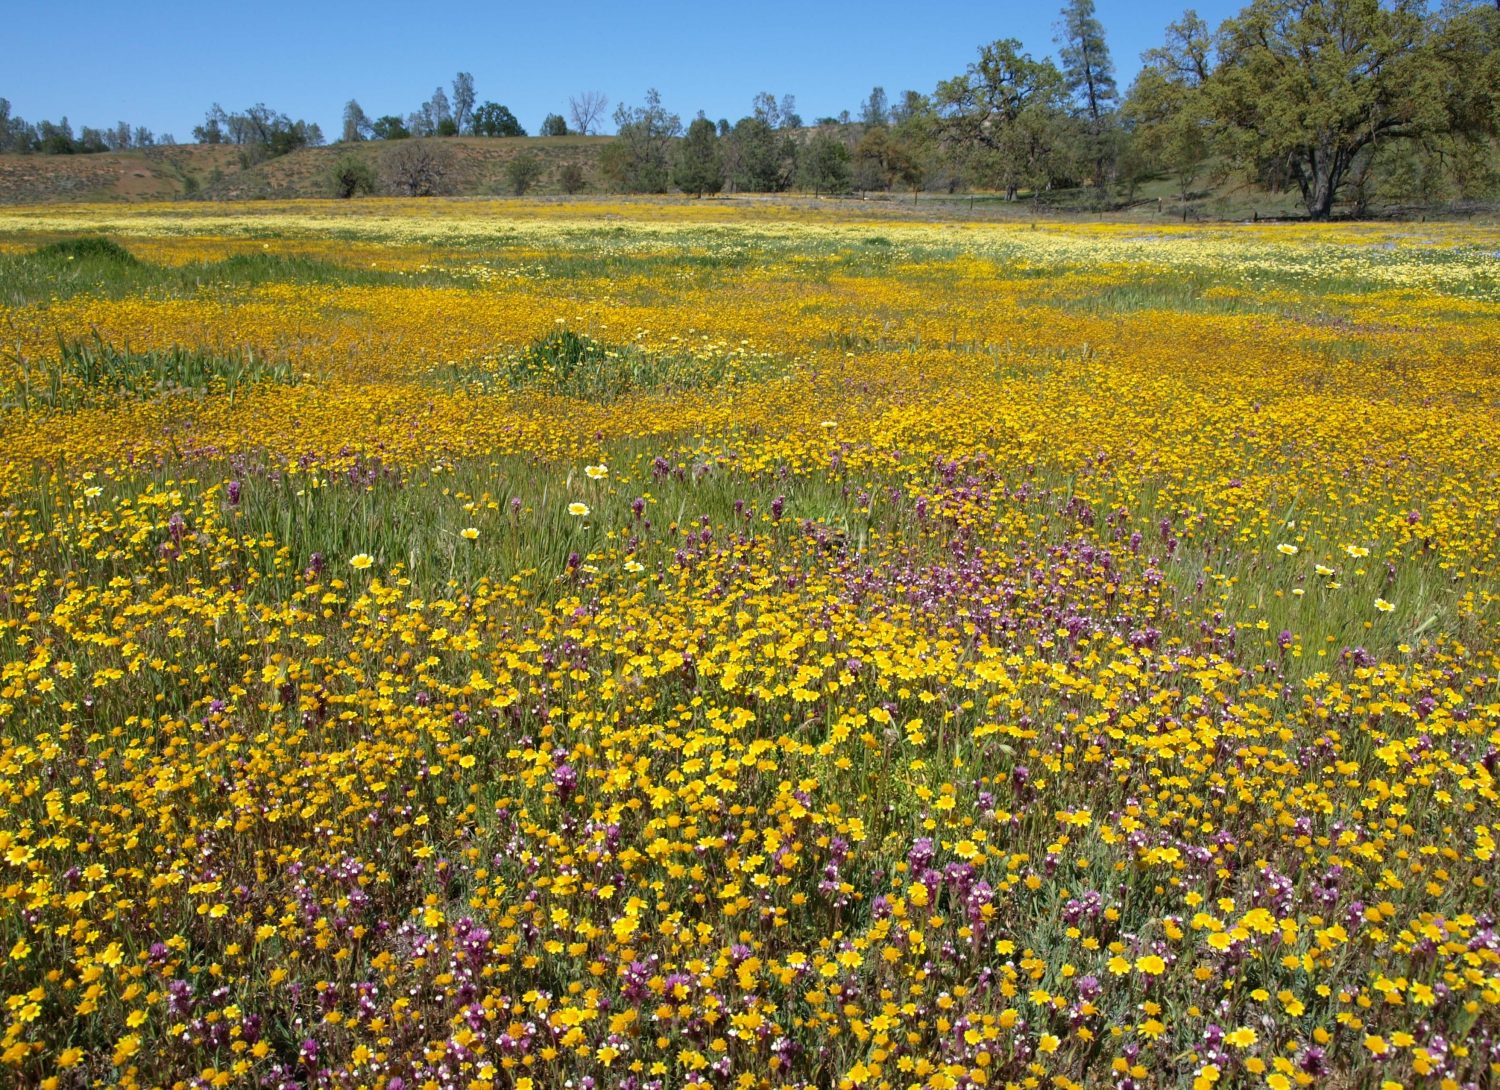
1324,173
1319,196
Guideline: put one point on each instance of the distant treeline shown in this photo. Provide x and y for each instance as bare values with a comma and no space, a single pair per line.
1337,100
260,132
57,137
1350,101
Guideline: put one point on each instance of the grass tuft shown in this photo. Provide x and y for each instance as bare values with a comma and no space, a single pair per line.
87,248
94,372
571,364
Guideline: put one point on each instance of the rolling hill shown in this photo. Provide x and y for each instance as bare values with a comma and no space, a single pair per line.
216,172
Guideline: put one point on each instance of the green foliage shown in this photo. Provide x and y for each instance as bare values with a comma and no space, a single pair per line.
1445,167
351,176
882,159
1167,107
259,132
50,274
56,137
1367,102
823,166
570,178
463,102
1309,88
87,248
914,135
1086,64
757,158
91,373
522,172
698,166
389,127
1089,74
639,159
561,356
357,125
572,364
1006,121
493,119
1468,41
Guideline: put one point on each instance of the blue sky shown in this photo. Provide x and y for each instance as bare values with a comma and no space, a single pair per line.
163,64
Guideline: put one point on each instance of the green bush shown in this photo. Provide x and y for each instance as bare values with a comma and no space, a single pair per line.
88,248
94,372
570,178
523,172
576,365
351,176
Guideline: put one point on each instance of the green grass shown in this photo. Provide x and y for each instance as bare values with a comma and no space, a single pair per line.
86,248
105,268
93,373
570,364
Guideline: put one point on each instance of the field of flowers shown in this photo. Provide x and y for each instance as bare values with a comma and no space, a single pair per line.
643,646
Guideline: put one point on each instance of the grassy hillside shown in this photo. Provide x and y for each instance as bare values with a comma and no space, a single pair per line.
215,171
150,174
477,169
478,166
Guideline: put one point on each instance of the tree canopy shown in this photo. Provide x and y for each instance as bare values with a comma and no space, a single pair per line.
1335,100
1305,87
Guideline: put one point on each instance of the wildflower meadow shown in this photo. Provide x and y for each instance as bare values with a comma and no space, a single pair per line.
667,644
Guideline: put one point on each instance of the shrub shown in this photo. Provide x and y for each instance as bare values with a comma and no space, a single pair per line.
523,172
576,365
87,248
416,168
351,176
571,178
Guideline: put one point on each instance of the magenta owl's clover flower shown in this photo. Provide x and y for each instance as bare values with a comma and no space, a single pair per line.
923,851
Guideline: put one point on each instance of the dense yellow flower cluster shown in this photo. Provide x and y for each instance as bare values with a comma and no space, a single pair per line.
1040,657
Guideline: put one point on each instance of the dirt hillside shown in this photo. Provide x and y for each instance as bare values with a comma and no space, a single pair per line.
188,171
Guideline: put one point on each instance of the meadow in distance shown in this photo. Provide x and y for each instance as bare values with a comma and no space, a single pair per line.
662,644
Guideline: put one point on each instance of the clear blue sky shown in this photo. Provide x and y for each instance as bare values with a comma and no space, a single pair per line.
162,64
